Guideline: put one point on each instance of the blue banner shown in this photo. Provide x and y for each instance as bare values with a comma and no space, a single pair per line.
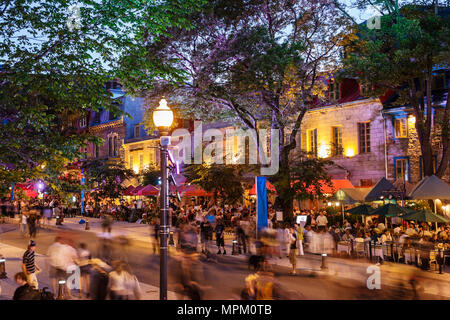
261,202
12,191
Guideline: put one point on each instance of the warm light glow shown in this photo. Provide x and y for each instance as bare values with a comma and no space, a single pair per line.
446,209
323,151
136,169
349,152
337,204
412,120
162,116
329,204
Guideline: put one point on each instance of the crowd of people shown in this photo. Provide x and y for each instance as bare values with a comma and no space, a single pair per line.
200,229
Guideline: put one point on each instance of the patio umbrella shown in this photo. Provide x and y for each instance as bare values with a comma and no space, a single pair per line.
148,190
390,210
136,190
425,216
431,188
363,209
128,191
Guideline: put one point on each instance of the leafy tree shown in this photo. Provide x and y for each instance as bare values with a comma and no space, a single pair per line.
259,64
151,175
106,178
401,57
223,180
51,74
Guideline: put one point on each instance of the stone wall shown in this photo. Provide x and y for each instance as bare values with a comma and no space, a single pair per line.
366,167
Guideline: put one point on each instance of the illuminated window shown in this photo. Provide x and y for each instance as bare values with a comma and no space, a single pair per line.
337,148
401,128
141,162
131,162
83,122
402,168
312,141
364,137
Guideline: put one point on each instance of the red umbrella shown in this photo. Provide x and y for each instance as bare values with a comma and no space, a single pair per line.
136,190
269,187
191,191
128,191
148,190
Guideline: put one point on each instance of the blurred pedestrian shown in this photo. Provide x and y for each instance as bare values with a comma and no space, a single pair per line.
220,236
293,250
83,261
23,224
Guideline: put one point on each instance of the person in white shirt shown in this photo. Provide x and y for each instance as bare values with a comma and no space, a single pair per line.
322,221
386,237
62,257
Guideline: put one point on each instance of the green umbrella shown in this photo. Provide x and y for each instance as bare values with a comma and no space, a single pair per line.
390,210
363,209
425,216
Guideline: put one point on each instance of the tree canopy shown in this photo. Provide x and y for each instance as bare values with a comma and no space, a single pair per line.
53,71
401,57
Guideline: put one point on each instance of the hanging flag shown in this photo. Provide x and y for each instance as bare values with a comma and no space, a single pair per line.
12,191
261,202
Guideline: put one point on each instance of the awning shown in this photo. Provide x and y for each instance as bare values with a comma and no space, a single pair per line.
191,191
269,186
431,188
335,186
148,190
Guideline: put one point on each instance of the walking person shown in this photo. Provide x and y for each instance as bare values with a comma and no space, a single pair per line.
83,259
32,225
293,250
299,230
29,265
220,236
23,224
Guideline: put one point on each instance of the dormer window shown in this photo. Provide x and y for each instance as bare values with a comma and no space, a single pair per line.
334,91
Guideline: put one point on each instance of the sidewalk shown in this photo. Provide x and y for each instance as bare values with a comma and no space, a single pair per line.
355,269
134,231
13,257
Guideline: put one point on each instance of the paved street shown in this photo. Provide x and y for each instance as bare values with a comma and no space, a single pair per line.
224,278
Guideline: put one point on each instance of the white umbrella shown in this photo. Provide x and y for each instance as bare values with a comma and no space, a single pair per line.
431,188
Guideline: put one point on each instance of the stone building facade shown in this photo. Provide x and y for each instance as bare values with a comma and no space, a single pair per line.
367,140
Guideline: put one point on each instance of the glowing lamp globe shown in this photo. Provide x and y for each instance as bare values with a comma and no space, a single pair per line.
163,116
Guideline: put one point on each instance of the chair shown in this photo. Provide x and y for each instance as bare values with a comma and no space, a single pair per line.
360,248
433,254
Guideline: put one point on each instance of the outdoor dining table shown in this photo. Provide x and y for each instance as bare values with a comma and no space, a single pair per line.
344,246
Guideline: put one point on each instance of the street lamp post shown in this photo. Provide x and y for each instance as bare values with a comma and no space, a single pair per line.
163,118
